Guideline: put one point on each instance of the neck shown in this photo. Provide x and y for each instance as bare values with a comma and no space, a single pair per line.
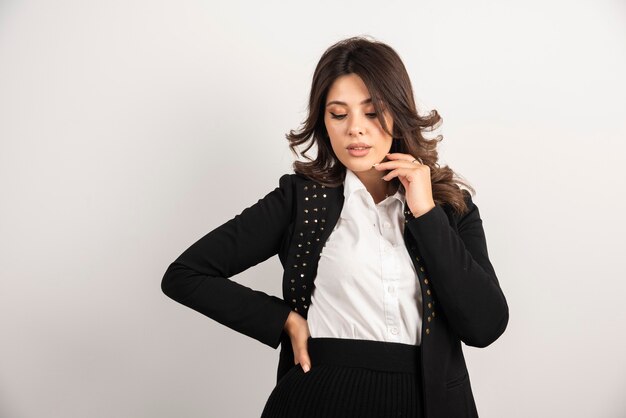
375,185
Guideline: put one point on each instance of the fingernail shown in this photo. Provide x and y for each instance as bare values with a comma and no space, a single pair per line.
374,165
306,368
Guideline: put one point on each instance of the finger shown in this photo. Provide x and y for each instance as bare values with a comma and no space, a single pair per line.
399,156
401,171
305,361
388,165
302,354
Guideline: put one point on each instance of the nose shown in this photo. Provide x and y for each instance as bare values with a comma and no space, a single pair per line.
355,129
356,124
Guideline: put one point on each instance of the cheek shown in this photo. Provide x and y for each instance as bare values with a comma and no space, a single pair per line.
334,146
329,126
333,132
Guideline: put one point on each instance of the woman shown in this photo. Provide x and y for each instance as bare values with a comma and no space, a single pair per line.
385,260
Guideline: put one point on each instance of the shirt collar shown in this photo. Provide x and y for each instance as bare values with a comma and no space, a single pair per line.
353,184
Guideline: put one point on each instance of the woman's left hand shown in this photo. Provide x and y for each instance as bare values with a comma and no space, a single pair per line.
415,178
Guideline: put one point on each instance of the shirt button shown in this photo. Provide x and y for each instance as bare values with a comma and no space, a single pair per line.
394,330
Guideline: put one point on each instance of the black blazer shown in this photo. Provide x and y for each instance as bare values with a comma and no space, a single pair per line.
463,300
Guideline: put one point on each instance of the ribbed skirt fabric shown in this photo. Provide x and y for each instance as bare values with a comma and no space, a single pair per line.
351,378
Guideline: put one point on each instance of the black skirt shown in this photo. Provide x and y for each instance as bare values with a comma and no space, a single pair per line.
351,378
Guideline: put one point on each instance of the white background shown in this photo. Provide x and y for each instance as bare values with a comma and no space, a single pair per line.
129,129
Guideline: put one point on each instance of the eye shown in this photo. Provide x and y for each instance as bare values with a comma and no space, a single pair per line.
369,115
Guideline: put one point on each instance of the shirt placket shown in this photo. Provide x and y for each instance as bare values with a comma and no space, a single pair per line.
390,273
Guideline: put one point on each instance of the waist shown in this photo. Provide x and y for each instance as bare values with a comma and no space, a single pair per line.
376,355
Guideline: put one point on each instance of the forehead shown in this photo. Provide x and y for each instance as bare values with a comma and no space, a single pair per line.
348,89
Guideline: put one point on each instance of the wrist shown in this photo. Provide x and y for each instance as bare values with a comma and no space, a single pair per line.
423,211
289,322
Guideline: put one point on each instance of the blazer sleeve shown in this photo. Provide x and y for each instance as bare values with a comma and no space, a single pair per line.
199,277
461,273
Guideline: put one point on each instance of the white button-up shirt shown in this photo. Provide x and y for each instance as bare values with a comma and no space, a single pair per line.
366,285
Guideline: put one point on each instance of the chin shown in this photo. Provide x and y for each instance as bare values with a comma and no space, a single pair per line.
361,164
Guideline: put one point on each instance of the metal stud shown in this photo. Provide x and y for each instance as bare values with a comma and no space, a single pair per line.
293,289
430,305
293,300
303,298
293,280
306,188
296,309
427,330
422,268
302,275
303,264
314,186
306,198
425,281
428,292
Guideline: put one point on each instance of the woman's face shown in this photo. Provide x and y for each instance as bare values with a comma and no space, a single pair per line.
350,118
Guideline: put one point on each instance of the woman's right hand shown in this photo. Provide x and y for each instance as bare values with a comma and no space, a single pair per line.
298,330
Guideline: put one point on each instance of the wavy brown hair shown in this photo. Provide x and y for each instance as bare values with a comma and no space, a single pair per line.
387,80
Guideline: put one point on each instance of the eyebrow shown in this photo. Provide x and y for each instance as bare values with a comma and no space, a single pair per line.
366,101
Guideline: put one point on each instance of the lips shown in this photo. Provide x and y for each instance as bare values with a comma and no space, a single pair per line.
359,152
358,145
